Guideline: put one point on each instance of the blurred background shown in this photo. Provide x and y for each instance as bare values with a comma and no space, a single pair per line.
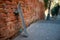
35,19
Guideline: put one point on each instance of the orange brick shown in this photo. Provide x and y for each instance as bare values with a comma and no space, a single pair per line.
32,11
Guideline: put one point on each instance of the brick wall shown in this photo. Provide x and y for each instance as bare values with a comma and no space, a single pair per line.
10,23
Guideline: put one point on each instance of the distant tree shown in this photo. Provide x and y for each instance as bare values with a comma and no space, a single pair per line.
55,9
46,3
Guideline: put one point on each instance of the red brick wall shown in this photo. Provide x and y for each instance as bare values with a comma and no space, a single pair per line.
10,23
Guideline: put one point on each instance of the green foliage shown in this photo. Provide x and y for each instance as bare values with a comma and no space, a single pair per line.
55,9
46,3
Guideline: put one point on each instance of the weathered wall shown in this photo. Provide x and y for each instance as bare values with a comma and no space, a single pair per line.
10,23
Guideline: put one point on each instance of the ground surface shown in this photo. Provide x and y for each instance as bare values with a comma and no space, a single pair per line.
43,30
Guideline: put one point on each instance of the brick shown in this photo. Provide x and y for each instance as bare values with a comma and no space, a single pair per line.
32,10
